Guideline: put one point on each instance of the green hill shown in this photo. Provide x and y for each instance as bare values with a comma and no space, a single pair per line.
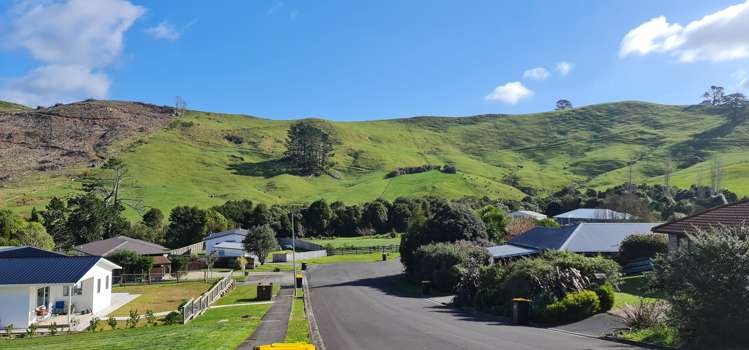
11,107
192,162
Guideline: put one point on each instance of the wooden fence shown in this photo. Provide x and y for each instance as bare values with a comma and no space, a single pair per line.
364,250
196,306
191,249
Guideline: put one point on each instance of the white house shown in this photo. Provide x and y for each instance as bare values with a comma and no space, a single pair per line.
236,235
35,284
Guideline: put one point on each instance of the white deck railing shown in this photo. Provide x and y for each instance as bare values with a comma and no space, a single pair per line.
196,306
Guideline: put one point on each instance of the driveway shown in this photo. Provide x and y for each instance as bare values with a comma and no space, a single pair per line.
358,308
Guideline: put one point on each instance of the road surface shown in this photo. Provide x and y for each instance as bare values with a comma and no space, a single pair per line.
357,307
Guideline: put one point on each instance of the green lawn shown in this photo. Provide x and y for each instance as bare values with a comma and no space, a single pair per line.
358,242
632,289
221,328
159,297
245,293
298,331
661,335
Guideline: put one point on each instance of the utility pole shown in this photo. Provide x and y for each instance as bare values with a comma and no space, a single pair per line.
293,248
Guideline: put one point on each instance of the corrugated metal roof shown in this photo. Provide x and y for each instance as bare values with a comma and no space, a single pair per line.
237,231
230,245
107,247
594,214
528,214
509,250
733,214
26,252
45,270
544,237
603,237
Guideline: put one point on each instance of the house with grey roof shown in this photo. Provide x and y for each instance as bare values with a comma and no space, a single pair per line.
235,236
592,215
36,284
583,238
109,246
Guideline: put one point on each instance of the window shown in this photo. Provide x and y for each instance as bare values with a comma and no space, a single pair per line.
42,297
98,285
106,284
77,289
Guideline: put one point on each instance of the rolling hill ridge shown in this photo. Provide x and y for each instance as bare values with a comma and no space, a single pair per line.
206,158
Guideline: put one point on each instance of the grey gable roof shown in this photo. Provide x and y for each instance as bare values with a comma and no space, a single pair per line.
544,237
594,214
234,231
108,246
45,270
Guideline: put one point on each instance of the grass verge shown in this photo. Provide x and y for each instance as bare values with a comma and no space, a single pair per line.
660,335
298,331
222,328
243,294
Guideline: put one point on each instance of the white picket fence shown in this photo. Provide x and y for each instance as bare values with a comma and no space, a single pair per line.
196,306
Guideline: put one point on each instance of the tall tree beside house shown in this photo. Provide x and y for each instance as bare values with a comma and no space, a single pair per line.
55,220
187,225
260,240
495,220
33,234
91,219
309,146
153,218
215,221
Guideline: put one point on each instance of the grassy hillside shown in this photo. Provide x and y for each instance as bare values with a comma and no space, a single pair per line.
191,162
11,107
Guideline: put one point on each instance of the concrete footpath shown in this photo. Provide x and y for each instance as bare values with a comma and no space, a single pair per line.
272,328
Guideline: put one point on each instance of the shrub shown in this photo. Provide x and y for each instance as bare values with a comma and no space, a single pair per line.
53,328
93,324
606,296
238,140
31,331
644,315
173,317
112,322
436,260
705,284
132,321
573,307
642,246
490,296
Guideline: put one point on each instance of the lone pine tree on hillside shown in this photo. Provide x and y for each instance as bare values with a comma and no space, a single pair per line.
309,147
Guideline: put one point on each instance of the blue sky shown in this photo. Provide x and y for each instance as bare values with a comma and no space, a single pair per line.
356,60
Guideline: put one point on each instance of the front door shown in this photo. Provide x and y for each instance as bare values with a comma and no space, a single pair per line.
42,297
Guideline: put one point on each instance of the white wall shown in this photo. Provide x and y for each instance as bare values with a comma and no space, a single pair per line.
286,257
91,299
227,252
15,306
210,243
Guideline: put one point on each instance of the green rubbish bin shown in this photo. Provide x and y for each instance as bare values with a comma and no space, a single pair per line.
426,287
521,311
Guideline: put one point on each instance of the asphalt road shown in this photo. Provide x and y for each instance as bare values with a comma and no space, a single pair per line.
357,307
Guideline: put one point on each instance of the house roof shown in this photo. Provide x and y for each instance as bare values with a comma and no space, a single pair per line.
732,214
528,213
234,231
26,252
582,237
230,245
161,260
106,247
47,270
509,250
594,214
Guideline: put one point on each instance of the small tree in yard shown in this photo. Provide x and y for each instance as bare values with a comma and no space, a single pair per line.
260,240
642,246
242,262
706,284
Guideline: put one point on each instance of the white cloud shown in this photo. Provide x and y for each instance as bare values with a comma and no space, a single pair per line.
510,93
564,68
719,36
538,73
75,40
56,83
742,80
164,30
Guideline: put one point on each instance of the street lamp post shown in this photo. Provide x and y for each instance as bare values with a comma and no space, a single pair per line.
293,248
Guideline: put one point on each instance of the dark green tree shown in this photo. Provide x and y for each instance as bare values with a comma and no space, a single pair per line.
187,225
55,220
261,215
239,212
563,104
90,219
34,216
309,146
153,218
376,216
318,217
260,240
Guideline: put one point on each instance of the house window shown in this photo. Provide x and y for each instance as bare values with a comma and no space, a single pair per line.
42,296
98,285
106,284
77,290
